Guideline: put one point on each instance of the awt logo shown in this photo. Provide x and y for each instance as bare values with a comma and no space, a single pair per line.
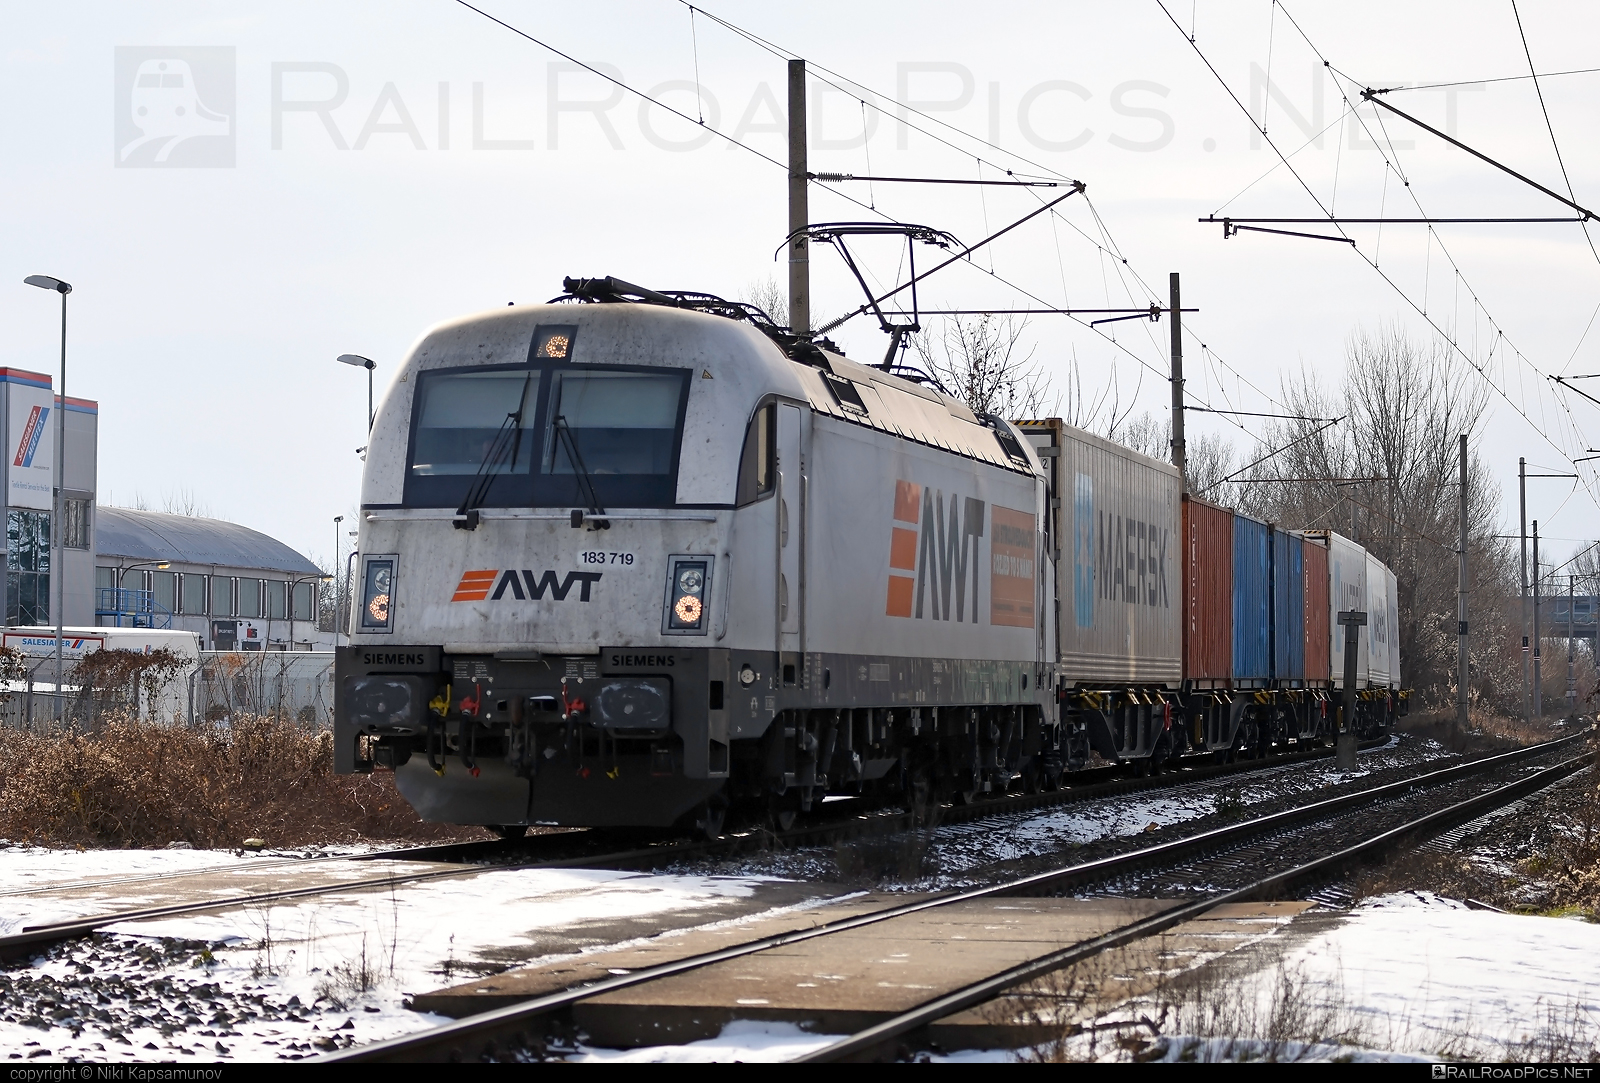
522,585
936,550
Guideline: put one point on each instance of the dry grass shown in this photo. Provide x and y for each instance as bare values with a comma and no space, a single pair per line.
1451,875
1211,1013
1570,864
144,784
1487,732
1272,1011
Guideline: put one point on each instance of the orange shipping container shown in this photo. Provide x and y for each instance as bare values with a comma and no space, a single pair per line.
1208,591
1317,616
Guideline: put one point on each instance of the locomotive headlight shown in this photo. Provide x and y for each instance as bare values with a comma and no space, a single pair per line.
688,590
377,594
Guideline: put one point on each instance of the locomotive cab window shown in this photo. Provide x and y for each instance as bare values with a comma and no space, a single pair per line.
520,437
472,422
758,464
617,430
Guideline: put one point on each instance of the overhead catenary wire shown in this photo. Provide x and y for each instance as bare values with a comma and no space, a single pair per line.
1556,146
694,39
1275,451
900,115
1105,245
1370,261
1484,82
658,103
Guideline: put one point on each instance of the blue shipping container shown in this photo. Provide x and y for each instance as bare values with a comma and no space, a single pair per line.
1288,607
1252,600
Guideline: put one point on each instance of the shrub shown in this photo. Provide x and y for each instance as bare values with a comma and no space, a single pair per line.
136,783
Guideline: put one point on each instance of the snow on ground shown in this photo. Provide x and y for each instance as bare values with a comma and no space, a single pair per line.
1407,976
31,867
1424,971
743,1040
301,977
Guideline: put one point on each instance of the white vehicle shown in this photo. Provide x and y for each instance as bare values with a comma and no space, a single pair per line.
39,644
38,648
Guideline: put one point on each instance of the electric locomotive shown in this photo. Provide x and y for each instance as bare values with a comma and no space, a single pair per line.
634,558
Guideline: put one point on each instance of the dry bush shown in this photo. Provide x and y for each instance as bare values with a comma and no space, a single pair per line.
1212,1013
140,784
1570,865
1487,732
112,679
1453,876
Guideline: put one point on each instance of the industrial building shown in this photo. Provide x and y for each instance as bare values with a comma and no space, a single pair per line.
235,587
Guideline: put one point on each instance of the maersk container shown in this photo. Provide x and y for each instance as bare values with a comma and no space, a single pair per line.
1115,525
1347,590
1394,628
1207,593
1383,648
1288,608
1252,600
1314,551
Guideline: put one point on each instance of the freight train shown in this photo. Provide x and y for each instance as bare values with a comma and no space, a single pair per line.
639,559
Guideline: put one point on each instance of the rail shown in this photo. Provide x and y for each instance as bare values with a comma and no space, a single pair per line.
477,1036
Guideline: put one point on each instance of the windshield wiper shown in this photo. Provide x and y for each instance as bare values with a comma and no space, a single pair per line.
478,492
582,472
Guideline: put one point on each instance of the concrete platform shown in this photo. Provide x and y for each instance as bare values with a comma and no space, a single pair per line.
568,971
849,981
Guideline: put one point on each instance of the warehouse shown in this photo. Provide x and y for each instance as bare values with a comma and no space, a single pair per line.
237,588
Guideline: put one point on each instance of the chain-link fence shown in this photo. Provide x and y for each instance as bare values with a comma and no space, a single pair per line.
294,685
285,684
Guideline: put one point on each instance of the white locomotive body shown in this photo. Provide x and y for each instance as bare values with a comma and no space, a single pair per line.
625,563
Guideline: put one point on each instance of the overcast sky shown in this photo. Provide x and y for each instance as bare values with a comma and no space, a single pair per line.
352,173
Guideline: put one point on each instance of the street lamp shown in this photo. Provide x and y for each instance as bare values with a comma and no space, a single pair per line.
122,570
320,576
363,363
337,599
45,282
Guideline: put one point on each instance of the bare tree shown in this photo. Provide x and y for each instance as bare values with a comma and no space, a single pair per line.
1387,476
769,297
982,363
185,502
1209,457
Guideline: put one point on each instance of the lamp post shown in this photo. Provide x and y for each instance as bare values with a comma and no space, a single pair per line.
45,282
320,577
338,600
364,363
159,565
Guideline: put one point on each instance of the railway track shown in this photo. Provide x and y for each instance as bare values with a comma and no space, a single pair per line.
505,1031
580,849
